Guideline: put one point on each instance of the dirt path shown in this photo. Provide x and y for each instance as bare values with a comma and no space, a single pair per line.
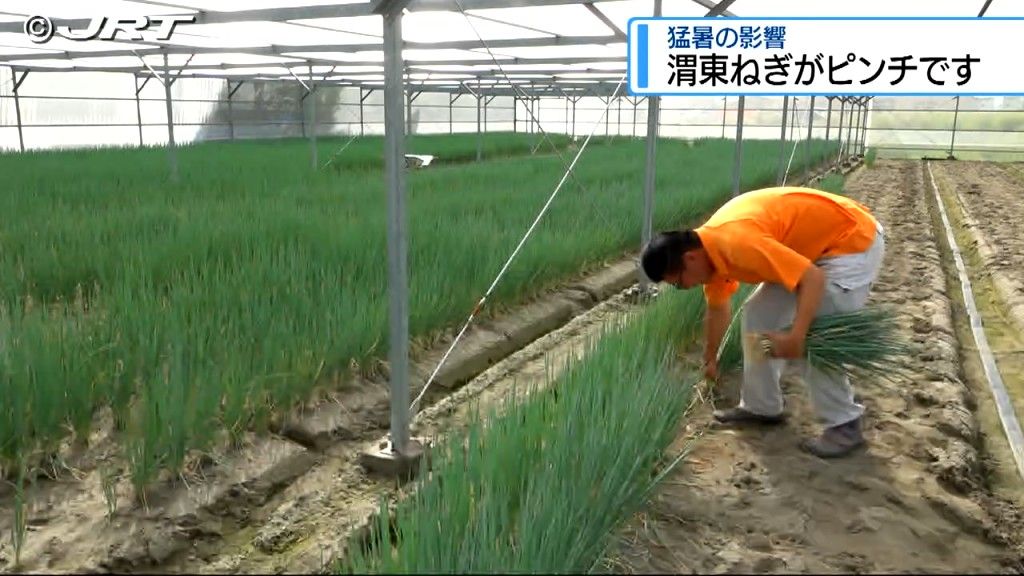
915,500
995,190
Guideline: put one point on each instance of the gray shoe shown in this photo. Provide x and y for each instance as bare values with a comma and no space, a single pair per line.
742,416
837,441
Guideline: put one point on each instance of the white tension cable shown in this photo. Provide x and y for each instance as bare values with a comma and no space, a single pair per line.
515,252
529,231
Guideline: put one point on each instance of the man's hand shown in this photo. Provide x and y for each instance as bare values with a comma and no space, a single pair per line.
786,344
809,292
711,371
716,322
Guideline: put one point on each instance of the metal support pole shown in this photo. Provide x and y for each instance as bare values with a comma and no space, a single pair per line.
479,135
636,103
231,110
737,163
451,123
408,104
864,128
649,176
849,129
810,128
856,129
779,173
725,102
362,98
311,99
535,108
302,113
792,119
231,117
607,117
566,113
956,113
172,154
574,100
398,290
839,130
138,107
828,120
17,106
410,126
618,121
486,102
515,114
537,127
528,104
653,103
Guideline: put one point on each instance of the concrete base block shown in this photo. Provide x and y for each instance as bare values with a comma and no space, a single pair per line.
386,461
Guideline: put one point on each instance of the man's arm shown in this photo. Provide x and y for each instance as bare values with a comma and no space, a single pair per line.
809,292
716,322
808,297
777,263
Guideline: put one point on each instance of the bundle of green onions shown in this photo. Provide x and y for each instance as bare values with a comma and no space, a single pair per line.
866,340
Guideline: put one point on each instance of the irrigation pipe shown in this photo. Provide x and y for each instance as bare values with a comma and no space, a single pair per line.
1007,417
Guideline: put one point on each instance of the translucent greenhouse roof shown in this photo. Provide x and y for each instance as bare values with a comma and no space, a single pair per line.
448,43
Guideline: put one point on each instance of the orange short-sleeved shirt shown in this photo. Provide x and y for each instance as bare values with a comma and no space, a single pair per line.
773,235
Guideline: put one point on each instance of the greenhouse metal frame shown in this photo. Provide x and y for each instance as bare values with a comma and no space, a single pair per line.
312,67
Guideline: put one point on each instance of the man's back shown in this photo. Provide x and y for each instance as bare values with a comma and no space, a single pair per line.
810,222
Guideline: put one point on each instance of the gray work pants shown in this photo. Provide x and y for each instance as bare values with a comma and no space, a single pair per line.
848,280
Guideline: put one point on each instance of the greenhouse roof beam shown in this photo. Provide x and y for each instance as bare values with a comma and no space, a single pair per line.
138,89
607,21
513,24
304,85
720,8
284,14
18,81
383,7
283,50
535,90
713,6
411,64
454,6
181,71
420,83
162,79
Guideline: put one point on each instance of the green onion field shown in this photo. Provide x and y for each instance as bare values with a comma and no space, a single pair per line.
197,310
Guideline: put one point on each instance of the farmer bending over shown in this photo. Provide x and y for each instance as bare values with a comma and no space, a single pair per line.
813,253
